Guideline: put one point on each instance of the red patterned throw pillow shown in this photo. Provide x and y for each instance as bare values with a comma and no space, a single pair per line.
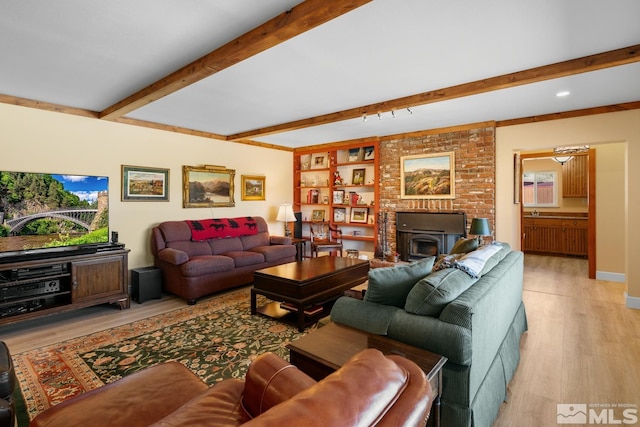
220,228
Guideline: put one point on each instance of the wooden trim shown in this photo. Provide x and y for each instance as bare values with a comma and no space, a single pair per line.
571,114
585,64
591,200
301,18
47,106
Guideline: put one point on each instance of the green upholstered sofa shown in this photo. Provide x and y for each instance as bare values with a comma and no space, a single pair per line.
476,322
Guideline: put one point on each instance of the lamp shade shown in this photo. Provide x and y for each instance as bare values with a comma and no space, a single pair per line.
285,213
480,227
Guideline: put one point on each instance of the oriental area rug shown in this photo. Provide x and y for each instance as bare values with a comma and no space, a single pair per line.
216,339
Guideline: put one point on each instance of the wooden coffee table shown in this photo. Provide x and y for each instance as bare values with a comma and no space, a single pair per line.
309,285
323,351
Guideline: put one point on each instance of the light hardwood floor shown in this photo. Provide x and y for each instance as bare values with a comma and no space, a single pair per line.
583,344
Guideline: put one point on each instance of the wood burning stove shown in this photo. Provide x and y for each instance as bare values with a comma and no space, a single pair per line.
423,234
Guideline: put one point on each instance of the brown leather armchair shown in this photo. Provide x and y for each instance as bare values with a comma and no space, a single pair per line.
325,237
370,389
7,387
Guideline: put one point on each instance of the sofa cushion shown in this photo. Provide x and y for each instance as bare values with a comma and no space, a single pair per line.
483,259
245,258
463,245
191,248
250,242
390,285
275,253
220,246
432,294
200,265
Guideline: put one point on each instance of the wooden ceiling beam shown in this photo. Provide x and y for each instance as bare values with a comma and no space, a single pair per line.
301,18
585,64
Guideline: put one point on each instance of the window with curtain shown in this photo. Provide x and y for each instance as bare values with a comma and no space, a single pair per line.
540,189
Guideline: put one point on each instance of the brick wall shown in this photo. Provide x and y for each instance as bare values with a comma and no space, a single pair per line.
474,175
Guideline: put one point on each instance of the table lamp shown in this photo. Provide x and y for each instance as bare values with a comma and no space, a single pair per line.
480,227
285,215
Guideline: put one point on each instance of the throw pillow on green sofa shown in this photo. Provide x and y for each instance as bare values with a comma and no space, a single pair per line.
432,294
390,285
463,246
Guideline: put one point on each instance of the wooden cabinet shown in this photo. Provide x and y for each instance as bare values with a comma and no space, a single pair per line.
575,177
575,241
34,288
555,235
339,186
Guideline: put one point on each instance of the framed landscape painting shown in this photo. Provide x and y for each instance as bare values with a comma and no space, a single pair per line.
207,186
143,184
253,187
428,176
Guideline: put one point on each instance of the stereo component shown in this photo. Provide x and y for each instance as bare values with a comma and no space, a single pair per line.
29,289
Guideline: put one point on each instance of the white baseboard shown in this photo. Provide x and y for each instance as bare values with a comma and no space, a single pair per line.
611,277
632,302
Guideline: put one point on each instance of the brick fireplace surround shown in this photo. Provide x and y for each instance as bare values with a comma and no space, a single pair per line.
475,185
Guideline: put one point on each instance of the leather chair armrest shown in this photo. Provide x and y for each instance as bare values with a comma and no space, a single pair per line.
173,256
7,415
270,380
279,240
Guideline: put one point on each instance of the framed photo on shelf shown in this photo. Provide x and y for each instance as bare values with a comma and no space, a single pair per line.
319,160
356,155
317,215
369,153
207,186
428,176
338,197
143,184
253,187
358,176
339,215
359,215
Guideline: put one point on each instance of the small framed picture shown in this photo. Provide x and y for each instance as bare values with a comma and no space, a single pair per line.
338,197
339,215
253,187
356,154
369,153
319,160
359,215
358,177
317,215
144,184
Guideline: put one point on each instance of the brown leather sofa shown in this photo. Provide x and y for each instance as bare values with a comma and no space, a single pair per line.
194,266
369,390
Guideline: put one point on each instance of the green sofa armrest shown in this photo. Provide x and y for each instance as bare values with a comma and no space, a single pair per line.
364,315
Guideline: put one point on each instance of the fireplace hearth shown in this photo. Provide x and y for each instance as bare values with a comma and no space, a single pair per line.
423,234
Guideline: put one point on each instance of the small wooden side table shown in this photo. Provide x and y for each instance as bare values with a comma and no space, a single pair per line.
301,248
325,350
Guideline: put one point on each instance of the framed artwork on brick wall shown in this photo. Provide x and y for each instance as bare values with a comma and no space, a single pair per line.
428,176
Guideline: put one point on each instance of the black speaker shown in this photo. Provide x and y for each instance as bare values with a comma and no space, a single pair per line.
297,226
146,283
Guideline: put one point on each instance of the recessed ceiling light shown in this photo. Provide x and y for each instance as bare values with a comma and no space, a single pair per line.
563,93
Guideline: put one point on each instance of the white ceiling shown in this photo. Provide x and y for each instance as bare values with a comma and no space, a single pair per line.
90,54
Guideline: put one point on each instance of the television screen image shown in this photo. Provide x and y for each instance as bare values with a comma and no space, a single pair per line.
41,212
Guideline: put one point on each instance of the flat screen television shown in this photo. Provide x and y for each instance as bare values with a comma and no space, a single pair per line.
48,215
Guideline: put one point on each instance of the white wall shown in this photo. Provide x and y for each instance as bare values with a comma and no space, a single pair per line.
40,141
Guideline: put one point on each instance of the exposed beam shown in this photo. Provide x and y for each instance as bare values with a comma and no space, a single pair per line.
301,18
585,64
47,106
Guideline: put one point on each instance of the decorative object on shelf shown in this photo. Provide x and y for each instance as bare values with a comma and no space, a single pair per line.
319,160
353,198
359,215
339,215
480,227
253,187
286,215
337,179
317,215
358,177
143,184
325,200
356,154
428,176
207,186
305,161
313,196
338,197
369,153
